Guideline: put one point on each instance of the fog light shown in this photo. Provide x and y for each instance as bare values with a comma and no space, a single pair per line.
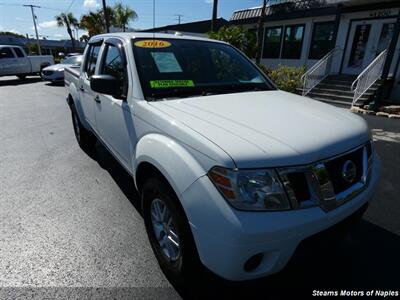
253,262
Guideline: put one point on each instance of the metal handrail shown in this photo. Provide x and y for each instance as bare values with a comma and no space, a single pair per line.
318,72
368,77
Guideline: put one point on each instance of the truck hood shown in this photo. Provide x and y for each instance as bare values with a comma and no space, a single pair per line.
269,129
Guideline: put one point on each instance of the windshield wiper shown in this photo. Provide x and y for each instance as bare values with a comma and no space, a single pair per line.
207,91
175,93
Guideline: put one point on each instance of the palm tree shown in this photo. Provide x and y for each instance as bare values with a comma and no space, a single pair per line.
214,15
93,23
67,20
123,14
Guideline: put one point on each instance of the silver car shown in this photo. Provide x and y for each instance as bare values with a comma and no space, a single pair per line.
55,73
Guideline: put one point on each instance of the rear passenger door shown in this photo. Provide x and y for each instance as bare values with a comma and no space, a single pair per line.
23,65
113,115
8,62
87,96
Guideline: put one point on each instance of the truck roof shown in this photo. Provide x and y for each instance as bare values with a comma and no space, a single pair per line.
132,35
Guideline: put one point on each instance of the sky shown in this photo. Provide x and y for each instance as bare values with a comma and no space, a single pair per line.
16,18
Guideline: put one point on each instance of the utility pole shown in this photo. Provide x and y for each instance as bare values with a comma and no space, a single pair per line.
106,16
214,15
34,24
260,31
179,16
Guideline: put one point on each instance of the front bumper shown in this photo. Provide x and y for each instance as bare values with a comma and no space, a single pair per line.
56,76
226,238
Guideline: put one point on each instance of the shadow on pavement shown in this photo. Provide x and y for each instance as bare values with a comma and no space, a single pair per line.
17,81
365,259
117,172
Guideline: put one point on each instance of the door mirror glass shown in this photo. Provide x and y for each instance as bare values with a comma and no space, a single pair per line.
105,84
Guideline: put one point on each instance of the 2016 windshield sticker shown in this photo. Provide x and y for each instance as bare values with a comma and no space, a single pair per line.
165,84
152,44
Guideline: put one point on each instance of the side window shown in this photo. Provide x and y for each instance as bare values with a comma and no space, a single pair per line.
113,65
93,54
293,42
6,53
272,42
322,40
18,52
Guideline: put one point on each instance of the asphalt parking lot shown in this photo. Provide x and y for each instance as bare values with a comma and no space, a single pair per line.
69,222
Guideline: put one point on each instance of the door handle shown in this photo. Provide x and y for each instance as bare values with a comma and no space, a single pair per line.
82,89
97,99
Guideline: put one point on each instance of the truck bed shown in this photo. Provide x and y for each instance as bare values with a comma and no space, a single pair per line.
71,73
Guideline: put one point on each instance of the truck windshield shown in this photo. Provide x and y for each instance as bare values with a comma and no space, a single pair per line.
178,68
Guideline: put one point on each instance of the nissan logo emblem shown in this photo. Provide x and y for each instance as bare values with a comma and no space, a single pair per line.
349,171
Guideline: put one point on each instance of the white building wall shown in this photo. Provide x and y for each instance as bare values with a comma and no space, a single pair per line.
342,37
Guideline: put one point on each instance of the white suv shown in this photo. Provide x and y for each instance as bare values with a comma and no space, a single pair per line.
232,172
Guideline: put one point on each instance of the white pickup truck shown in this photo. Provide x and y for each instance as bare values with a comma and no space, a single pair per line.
233,173
14,61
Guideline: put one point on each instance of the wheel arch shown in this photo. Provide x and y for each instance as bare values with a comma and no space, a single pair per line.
157,154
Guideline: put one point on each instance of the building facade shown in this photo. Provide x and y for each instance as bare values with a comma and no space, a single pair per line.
302,32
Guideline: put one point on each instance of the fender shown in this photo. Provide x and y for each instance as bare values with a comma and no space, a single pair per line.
172,159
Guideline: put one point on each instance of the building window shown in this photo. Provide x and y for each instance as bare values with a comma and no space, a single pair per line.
322,40
272,42
293,41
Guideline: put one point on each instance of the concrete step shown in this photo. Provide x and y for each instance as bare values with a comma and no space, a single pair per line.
333,86
332,90
335,96
343,104
338,82
343,77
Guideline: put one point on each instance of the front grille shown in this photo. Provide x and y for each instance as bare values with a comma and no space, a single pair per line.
335,168
47,73
324,183
299,184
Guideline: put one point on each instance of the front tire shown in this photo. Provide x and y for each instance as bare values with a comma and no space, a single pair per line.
169,233
84,137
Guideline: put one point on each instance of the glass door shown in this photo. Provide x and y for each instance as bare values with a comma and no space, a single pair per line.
366,40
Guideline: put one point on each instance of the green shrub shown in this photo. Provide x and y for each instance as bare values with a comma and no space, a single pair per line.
237,36
286,78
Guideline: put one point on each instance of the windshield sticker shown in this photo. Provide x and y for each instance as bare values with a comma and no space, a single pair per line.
166,62
152,44
166,84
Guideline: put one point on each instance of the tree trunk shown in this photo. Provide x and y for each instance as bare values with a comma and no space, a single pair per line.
106,16
214,15
260,28
72,39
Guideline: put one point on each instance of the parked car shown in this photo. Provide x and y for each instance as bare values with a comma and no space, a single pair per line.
72,54
55,73
14,61
233,174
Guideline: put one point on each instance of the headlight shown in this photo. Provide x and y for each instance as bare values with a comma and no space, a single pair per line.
250,189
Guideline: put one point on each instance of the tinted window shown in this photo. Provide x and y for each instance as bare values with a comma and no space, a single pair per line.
182,68
114,65
18,52
93,55
293,41
272,42
6,53
322,40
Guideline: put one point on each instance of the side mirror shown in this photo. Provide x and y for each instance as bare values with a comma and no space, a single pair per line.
105,84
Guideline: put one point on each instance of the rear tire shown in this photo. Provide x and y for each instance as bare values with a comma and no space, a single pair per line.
181,268
84,137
